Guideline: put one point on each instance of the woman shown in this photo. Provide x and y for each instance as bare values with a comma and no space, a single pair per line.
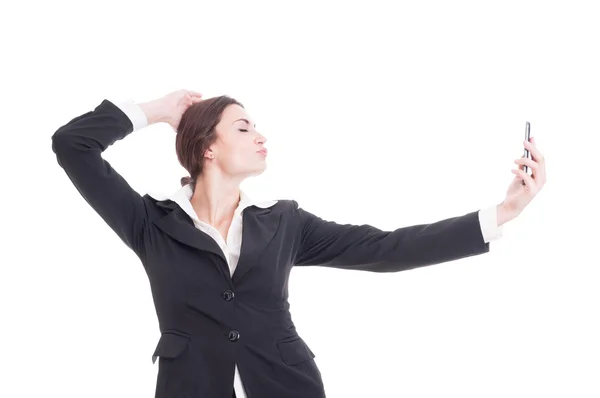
220,290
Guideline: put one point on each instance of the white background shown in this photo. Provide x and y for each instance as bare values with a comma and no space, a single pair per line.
386,113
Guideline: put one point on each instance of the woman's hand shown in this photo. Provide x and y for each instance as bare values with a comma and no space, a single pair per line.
171,107
523,187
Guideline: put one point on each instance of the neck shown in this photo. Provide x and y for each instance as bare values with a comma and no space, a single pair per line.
215,199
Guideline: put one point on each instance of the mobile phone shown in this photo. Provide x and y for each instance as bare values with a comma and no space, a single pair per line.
527,135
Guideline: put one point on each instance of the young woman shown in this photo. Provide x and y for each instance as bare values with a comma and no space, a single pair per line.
218,262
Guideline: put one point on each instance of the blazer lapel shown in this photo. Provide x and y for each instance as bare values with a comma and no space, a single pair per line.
259,226
178,225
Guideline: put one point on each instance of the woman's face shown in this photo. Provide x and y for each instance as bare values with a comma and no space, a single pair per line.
236,149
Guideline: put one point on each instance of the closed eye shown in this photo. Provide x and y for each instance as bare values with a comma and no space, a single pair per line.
244,130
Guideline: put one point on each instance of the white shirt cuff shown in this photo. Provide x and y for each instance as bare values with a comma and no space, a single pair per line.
488,220
134,113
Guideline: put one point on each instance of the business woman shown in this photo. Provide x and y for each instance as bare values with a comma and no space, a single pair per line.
218,262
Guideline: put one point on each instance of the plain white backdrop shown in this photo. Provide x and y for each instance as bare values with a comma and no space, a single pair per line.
385,113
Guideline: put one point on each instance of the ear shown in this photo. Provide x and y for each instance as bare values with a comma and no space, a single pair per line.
209,154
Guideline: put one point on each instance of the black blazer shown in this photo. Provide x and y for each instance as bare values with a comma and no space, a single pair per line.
209,320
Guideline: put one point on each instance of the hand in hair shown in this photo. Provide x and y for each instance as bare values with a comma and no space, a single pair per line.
170,108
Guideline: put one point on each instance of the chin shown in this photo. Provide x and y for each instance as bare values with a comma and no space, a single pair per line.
258,171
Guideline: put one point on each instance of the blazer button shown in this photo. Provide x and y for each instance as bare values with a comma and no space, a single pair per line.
234,335
228,295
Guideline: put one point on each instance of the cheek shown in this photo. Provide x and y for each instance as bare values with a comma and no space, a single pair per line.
240,153
238,158
244,150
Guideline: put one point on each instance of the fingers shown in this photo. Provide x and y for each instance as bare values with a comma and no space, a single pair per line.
522,162
538,157
526,178
536,170
535,152
195,96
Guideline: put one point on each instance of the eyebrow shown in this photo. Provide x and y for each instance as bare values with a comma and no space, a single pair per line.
244,120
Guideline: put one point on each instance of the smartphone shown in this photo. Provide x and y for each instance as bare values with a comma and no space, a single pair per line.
527,135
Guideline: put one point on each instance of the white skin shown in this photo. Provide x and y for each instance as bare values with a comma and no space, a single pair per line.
228,161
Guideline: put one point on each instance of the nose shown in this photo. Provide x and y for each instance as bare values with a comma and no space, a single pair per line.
261,139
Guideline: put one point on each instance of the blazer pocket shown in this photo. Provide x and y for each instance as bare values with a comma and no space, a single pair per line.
295,351
170,345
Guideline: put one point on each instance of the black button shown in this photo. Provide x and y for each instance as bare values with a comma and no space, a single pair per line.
234,335
228,295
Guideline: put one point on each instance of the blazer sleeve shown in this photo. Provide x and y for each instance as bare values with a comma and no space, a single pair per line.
366,248
78,146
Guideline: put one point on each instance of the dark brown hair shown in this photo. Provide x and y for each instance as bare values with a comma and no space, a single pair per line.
197,132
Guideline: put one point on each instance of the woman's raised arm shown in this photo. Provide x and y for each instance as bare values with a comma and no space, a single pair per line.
79,144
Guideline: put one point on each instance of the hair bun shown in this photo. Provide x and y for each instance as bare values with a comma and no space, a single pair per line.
185,180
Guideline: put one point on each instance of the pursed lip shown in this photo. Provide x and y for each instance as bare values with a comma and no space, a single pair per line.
263,151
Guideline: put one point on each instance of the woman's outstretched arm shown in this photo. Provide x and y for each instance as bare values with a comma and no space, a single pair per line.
366,248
